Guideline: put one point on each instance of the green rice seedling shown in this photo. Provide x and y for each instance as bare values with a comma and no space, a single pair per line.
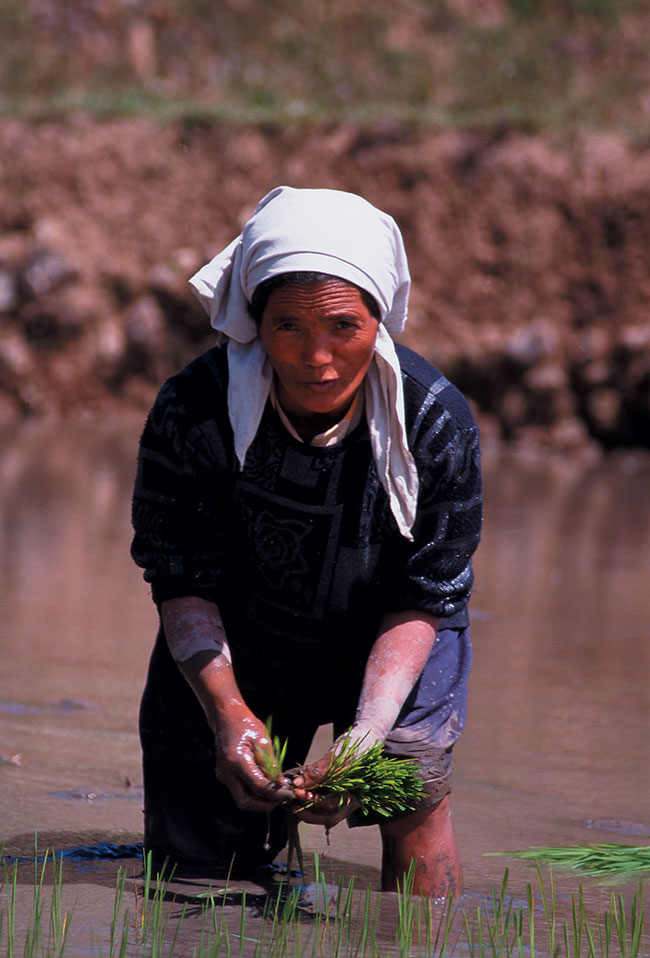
151,918
549,907
530,901
501,930
417,933
406,916
37,940
585,932
46,933
599,861
59,920
118,900
378,783
33,934
342,925
362,931
10,881
272,761
500,924
281,935
214,932
441,942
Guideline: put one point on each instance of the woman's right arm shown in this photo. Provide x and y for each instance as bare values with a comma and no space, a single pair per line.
197,641
179,518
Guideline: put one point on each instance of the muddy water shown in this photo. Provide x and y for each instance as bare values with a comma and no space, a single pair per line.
557,747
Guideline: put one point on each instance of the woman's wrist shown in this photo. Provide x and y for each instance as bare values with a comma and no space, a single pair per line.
360,735
213,683
375,718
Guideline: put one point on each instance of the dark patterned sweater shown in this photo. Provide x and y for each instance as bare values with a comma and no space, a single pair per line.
300,549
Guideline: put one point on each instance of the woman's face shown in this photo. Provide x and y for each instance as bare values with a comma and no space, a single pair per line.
320,339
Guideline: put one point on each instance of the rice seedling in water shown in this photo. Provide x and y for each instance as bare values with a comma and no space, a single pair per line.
599,861
46,934
501,930
343,924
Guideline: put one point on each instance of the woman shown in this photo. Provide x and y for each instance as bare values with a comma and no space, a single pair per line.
306,508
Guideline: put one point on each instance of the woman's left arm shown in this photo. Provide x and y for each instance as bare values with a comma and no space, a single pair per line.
430,579
394,665
396,660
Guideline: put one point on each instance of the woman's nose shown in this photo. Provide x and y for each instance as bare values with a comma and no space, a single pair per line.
317,351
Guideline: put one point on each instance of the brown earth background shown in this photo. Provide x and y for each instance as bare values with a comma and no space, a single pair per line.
528,240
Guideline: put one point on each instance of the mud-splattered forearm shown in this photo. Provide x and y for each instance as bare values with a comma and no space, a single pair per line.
197,641
395,662
193,625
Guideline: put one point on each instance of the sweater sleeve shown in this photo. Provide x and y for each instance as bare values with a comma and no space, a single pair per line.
435,570
178,518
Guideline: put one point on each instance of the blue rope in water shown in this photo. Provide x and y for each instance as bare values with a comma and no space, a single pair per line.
101,852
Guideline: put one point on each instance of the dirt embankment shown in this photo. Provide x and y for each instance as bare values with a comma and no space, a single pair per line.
529,261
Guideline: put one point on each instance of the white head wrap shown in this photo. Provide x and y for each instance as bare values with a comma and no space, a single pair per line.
331,232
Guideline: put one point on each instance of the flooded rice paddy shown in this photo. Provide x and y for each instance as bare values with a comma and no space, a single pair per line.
557,746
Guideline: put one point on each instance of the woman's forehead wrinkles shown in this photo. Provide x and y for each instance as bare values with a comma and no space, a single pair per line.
331,299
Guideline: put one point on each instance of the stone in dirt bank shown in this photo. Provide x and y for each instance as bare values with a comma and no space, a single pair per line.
529,261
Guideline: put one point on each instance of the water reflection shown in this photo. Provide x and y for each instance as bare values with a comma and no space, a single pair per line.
560,705
557,739
64,520
75,632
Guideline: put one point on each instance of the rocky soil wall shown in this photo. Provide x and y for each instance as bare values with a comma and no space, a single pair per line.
530,262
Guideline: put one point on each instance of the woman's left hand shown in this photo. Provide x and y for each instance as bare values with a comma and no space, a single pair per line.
324,811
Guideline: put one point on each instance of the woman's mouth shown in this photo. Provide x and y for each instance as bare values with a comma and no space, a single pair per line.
321,385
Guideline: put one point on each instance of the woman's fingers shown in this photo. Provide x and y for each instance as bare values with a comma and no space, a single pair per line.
310,775
253,794
252,790
320,811
247,766
246,801
328,811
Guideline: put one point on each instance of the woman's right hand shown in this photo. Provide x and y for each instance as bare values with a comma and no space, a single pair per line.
198,643
241,741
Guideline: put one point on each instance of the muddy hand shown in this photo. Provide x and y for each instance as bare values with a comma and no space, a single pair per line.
240,740
321,811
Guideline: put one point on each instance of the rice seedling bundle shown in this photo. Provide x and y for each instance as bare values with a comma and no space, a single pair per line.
378,783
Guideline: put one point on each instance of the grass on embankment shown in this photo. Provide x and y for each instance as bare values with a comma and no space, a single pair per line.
553,65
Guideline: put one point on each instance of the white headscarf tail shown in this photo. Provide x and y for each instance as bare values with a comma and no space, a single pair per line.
248,363
386,424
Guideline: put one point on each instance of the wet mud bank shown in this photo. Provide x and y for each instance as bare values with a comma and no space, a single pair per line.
529,261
